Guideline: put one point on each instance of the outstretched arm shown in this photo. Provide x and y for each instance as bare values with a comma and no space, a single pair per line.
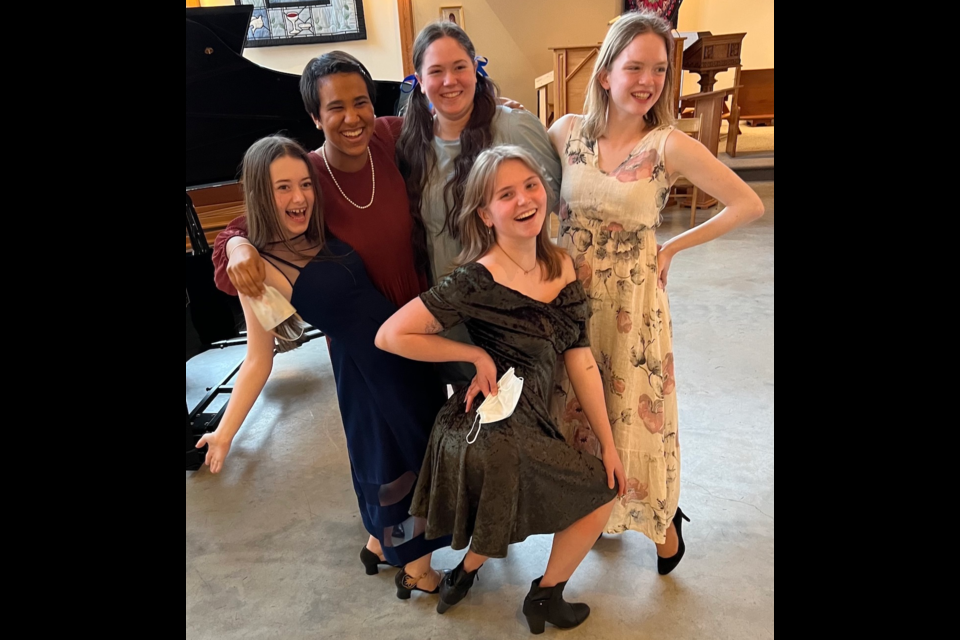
251,378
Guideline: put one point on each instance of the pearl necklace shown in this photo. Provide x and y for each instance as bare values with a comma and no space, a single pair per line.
372,171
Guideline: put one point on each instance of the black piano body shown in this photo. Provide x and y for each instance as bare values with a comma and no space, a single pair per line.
232,103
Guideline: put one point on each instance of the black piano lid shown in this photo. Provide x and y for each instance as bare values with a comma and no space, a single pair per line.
230,24
233,102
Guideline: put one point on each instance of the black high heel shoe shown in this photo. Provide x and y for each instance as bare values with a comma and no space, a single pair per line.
547,605
407,584
455,588
372,562
667,565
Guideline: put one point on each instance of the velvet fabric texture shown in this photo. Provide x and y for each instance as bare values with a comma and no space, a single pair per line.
520,478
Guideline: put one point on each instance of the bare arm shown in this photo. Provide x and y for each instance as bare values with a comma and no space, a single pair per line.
412,333
585,377
559,133
251,379
689,158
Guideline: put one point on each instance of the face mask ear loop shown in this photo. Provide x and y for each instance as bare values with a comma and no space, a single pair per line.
478,428
279,337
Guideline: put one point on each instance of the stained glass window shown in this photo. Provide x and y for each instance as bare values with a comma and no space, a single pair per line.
281,22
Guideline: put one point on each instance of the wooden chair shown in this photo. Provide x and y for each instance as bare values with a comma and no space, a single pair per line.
693,127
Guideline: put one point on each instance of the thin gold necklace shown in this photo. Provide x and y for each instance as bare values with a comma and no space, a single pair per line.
373,172
526,272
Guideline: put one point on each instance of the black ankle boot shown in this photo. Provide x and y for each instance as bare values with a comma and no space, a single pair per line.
455,588
667,565
547,605
372,562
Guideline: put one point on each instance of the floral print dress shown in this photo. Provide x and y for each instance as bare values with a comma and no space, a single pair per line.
608,223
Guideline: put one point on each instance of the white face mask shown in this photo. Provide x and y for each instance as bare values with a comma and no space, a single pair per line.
271,309
500,407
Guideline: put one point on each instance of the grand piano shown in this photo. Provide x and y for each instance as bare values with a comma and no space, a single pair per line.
231,103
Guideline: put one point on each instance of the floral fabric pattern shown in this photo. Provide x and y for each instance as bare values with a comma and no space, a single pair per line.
608,223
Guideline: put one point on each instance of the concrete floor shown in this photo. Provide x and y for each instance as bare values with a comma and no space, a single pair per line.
272,543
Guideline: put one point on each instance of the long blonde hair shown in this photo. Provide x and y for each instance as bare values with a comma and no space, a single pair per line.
477,238
621,34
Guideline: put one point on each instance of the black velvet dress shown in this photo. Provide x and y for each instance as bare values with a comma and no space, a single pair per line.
520,478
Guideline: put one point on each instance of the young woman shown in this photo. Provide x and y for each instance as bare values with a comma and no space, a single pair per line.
620,161
387,403
495,479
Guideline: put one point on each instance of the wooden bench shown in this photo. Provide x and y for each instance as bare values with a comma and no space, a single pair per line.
757,96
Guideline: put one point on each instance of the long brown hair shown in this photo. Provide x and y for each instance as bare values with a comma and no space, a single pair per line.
621,34
262,223
264,227
476,237
415,154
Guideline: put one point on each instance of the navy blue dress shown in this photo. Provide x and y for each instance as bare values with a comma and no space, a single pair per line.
388,403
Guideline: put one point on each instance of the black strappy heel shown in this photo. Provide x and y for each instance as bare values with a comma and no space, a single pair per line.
407,584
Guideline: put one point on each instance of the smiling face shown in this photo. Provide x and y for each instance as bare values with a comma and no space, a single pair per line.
637,77
449,78
293,194
346,114
517,208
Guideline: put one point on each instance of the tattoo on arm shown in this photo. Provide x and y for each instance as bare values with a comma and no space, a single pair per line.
433,327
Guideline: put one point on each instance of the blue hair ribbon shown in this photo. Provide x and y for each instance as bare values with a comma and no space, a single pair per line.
412,81
482,62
